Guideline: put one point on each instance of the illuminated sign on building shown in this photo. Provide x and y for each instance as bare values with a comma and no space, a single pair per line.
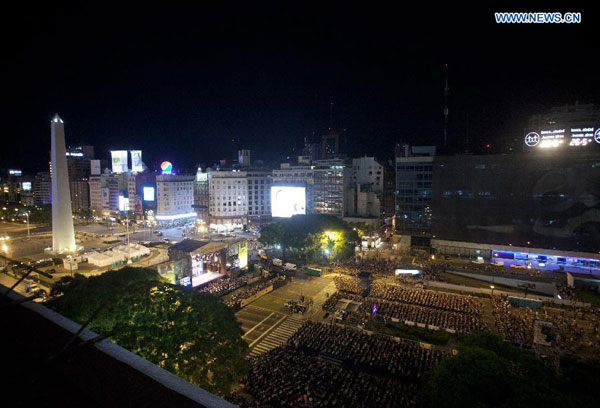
123,203
287,201
119,161
186,281
136,161
552,138
166,167
26,186
15,172
148,193
243,254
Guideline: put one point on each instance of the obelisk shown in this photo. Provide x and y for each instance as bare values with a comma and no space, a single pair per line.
63,234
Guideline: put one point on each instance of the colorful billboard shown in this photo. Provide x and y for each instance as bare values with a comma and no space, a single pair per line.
166,167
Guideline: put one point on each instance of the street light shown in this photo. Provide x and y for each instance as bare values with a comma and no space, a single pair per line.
492,287
28,232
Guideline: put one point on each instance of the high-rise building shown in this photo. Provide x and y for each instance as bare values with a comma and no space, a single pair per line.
331,178
364,194
42,188
414,178
174,199
201,195
228,200
547,201
10,186
104,194
63,234
259,195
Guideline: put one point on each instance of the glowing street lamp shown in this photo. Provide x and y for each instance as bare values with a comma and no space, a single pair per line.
492,287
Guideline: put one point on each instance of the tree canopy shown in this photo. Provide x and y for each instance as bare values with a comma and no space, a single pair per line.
191,334
314,236
488,372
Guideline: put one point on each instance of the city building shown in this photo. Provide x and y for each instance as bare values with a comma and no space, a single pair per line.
104,194
80,194
26,197
244,158
296,176
364,194
414,183
10,185
174,199
540,201
201,196
63,233
228,200
389,193
331,178
259,195
42,188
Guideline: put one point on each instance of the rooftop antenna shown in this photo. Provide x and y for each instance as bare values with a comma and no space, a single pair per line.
446,90
467,143
331,116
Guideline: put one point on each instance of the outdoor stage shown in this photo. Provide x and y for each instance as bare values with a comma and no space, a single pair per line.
205,278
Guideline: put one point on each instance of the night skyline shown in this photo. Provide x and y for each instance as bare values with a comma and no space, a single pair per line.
182,84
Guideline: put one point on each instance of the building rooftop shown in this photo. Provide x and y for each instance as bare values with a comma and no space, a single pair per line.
41,370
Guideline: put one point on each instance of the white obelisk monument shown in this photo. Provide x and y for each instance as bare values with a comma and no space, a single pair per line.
63,234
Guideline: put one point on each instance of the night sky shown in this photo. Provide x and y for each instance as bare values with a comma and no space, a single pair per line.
194,85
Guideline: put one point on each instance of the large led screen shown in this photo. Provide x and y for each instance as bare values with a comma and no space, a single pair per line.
287,201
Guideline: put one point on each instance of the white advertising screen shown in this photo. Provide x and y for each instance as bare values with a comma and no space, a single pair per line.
119,161
148,193
136,161
26,186
123,203
287,201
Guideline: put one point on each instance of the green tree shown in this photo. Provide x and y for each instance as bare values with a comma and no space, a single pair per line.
488,372
191,334
304,235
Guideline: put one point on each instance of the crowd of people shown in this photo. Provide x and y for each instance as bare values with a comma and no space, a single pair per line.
236,299
287,377
576,329
348,285
459,322
220,287
513,327
427,298
369,353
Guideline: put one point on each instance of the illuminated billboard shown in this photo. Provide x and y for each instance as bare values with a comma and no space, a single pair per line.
148,193
136,161
560,137
287,201
123,203
243,254
26,186
119,161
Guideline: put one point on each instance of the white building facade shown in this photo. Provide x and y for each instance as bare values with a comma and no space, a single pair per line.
228,200
174,199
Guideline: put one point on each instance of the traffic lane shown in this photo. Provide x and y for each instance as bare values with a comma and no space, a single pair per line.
265,325
250,317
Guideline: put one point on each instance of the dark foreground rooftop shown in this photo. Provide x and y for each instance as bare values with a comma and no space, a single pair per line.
90,374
